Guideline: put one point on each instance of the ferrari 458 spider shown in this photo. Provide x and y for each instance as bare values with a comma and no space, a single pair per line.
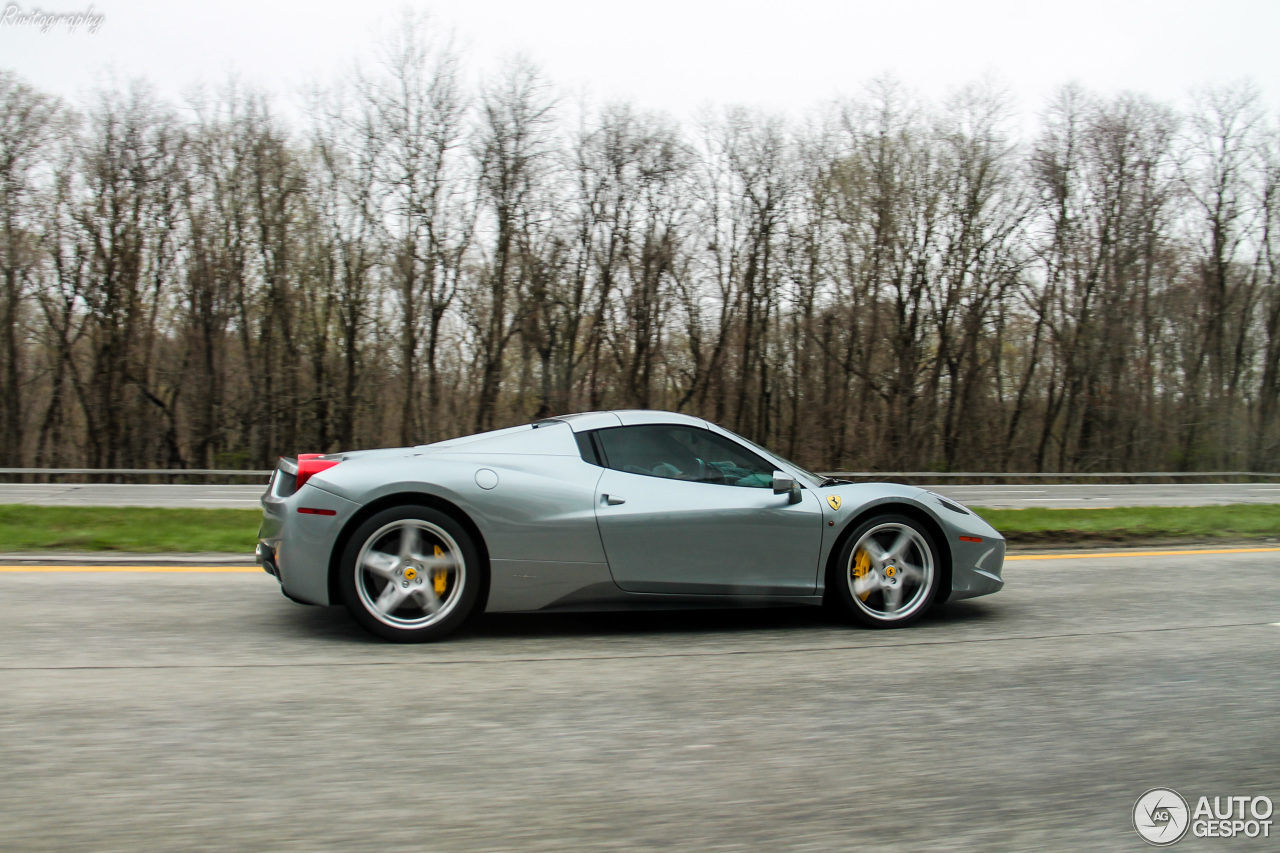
608,510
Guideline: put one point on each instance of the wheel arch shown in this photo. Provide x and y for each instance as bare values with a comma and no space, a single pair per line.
410,499
910,510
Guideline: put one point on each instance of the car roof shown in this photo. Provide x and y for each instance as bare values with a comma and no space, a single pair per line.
583,421
631,417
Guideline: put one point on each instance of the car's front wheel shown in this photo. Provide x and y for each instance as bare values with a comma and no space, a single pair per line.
887,572
410,574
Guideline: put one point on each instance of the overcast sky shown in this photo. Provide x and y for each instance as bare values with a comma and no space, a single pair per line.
676,55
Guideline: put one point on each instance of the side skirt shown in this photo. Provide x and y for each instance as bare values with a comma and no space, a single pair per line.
606,597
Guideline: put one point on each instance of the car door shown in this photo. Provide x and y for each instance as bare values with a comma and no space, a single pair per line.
684,510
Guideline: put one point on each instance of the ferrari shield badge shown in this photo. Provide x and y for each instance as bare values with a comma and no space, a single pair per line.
834,500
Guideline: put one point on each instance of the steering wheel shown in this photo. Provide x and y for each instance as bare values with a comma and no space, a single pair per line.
710,474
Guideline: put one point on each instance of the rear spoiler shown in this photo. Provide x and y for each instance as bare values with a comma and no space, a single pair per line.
306,466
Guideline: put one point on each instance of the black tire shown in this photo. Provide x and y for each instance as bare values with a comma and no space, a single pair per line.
872,609
411,620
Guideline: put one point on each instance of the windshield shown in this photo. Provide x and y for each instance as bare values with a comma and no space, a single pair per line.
767,452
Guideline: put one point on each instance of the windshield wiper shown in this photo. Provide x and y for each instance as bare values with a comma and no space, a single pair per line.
834,481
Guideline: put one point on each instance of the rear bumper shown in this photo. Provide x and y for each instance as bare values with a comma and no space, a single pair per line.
295,547
266,556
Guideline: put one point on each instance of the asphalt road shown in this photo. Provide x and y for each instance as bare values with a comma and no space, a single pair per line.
198,710
996,497
1104,495
130,494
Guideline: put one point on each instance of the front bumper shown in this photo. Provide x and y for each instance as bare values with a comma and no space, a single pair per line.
976,569
977,552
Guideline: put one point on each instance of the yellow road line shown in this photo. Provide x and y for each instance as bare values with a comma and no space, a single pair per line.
1094,555
176,569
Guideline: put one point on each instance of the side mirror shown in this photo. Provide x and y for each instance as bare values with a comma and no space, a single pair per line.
785,484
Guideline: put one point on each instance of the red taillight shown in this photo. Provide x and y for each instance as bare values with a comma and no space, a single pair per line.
306,510
310,464
970,538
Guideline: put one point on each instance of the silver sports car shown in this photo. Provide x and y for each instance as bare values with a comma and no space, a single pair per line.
608,510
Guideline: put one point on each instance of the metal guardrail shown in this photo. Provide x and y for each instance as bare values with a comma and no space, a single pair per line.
1043,475
917,475
159,472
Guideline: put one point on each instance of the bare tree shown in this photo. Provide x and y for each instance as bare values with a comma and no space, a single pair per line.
409,129
1266,446
124,208
1216,173
895,283
513,151
29,124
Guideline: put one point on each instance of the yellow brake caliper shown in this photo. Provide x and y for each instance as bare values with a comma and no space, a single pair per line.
862,565
439,575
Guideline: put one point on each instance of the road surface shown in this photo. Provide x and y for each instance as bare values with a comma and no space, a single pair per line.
995,497
201,710
1104,495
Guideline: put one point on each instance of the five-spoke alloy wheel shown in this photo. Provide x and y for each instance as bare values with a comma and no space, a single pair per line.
887,573
410,574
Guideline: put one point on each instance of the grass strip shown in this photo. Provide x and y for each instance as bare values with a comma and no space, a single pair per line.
149,530
1134,524
127,528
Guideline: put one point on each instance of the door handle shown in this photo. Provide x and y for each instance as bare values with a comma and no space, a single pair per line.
613,500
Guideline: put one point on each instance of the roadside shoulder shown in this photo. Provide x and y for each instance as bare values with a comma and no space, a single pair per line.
123,558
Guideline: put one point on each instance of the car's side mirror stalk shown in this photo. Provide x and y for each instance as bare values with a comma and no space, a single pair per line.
785,484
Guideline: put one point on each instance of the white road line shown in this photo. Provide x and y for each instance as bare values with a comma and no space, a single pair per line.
1123,486
228,500
1098,555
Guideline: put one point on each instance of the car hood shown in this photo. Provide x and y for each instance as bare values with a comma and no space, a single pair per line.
861,491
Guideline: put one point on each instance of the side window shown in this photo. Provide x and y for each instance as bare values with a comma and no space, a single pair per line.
682,453
587,447
728,462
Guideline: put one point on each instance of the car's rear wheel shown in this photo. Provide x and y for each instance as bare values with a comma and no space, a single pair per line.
410,574
887,573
